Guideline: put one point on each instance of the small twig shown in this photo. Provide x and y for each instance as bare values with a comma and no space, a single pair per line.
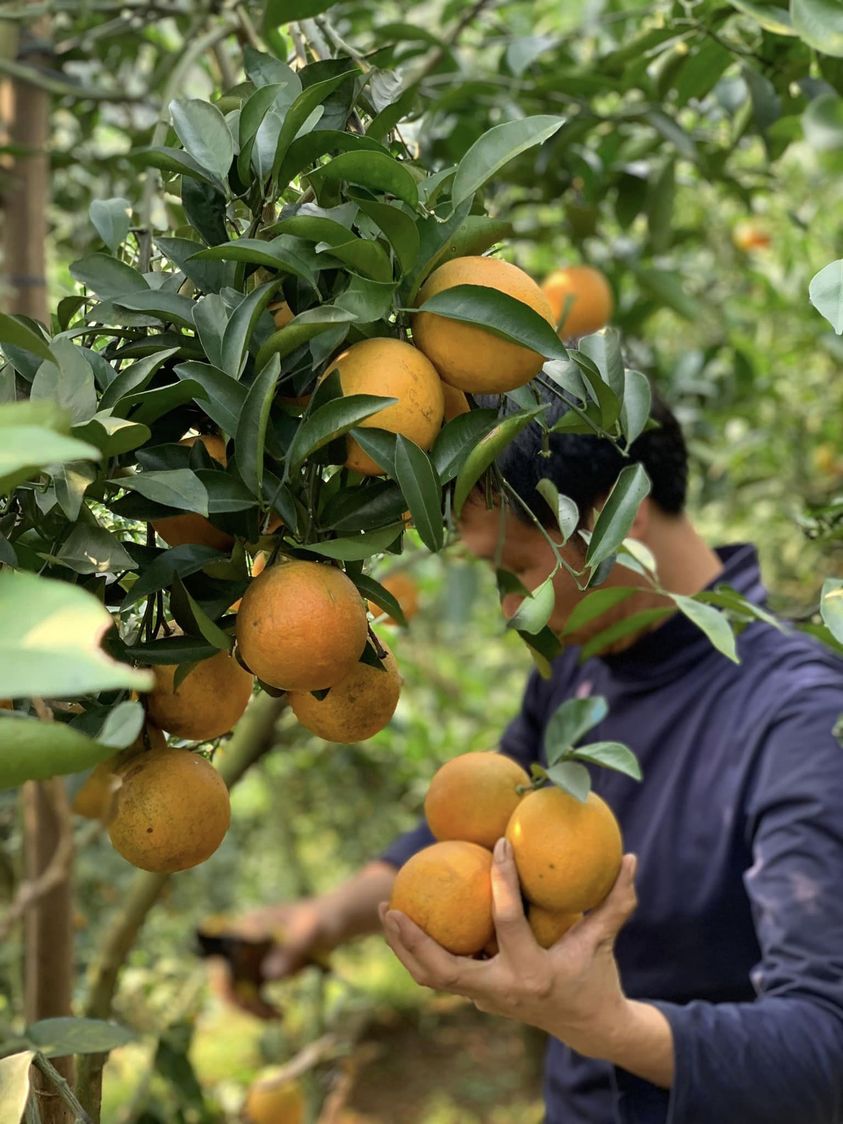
45,81
62,1088
247,26
299,44
328,29
52,875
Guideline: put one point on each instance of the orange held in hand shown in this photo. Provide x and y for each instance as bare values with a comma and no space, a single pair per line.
473,796
549,927
354,709
567,853
390,368
446,889
302,626
465,355
171,810
581,299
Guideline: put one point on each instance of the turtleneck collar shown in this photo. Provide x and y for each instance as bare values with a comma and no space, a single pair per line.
668,649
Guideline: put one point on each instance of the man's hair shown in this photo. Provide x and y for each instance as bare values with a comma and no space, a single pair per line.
584,466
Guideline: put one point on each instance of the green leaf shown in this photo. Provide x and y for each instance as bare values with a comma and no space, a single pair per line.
712,622
362,256
594,605
159,303
400,230
112,218
301,109
769,16
569,722
13,331
608,403
820,24
135,377
210,315
611,755
278,12
331,421
14,1085
90,549
831,607
308,149
500,314
300,330
223,397
619,511
628,626
26,449
172,650
373,170
535,610
417,479
563,507
457,438
359,547
171,160
826,293
123,723
604,350
68,380
191,617
55,1038
263,69
486,450
372,590
572,777
159,574
495,148
376,504
250,436
202,130
635,407
274,255
179,488
823,123
239,329
107,276
205,207
35,750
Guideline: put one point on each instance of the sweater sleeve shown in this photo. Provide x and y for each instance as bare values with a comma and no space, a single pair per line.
522,740
778,1059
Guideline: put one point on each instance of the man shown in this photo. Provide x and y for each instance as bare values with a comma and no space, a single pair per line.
719,999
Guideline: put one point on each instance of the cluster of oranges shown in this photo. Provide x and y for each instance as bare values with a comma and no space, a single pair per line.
567,853
302,626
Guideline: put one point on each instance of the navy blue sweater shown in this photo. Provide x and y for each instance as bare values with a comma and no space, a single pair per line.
738,828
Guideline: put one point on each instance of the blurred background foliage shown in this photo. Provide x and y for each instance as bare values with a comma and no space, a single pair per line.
699,168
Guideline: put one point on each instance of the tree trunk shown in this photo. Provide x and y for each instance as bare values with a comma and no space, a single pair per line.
48,954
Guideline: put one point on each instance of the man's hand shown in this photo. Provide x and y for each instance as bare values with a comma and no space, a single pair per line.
297,931
571,990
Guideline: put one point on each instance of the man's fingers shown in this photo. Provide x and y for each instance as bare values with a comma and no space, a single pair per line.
511,926
605,922
427,962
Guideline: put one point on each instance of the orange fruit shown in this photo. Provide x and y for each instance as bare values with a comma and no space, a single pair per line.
549,927
751,236
582,295
568,853
272,1099
302,626
94,799
446,889
258,567
282,314
404,590
391,368
206,703
469,357
171,810
473,796
356,707
456,402
190,528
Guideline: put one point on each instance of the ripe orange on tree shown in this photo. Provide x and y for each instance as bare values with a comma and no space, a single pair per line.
446,889
466,355
94,799
171,810
273,1099
751,235
581,298
191,528
568,853
405,591
356,707
206,703
391,368
473,796
302,626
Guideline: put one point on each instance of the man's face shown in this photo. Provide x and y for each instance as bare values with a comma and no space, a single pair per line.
524,552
